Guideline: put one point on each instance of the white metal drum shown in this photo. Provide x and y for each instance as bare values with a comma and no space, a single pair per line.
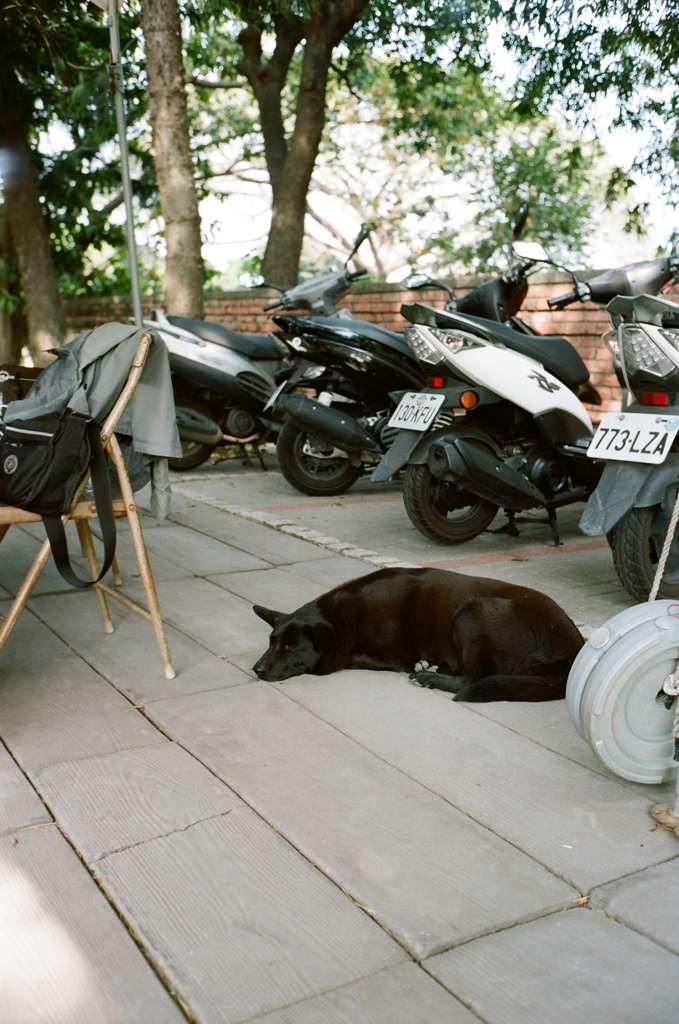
612,687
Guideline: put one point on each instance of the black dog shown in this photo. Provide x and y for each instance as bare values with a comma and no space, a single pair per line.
490,640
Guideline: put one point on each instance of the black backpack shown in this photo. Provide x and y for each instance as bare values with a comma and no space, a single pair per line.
42,461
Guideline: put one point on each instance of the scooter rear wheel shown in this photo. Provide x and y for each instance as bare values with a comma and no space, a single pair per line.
309,474
635,555
442,511
193,452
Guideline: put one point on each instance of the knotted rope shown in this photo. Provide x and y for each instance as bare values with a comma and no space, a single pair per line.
670,688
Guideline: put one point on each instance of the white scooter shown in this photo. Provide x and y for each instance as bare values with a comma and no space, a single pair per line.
501,424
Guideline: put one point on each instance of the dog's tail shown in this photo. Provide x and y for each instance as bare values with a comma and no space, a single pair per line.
528,688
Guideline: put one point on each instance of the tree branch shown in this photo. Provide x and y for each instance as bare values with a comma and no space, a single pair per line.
113,204
204,83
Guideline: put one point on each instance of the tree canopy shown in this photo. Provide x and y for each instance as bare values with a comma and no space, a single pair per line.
409,93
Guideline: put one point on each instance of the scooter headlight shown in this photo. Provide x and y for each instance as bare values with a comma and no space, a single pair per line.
671,336
456,340
641,353
421,346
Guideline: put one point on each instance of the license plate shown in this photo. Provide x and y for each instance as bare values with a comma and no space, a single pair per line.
634,437
274,396
416,411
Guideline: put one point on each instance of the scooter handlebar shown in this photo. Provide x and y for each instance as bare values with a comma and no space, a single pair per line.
272,305
562,301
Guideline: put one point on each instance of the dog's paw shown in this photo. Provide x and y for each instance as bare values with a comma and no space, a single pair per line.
431,680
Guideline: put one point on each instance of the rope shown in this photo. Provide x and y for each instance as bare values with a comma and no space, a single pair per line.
660,571
671,685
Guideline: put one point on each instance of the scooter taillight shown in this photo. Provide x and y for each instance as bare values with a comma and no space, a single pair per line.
654,398
435,382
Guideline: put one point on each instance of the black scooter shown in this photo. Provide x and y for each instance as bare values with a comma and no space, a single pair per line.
338,397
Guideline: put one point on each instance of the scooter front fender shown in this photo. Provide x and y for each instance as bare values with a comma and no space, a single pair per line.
626,485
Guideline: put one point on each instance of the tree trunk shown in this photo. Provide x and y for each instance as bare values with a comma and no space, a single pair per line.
291,165
30,238
172,156
6,341
286,234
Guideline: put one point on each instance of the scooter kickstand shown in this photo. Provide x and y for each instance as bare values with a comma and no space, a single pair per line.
509,527
259,456
552,524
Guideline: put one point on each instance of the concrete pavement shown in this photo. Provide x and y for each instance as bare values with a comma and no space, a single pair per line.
347,849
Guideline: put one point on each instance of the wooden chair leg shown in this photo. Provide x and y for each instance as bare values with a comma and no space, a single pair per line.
87,544
142,556
117,578
25,591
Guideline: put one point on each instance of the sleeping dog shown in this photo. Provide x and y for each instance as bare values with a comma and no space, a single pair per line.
490,640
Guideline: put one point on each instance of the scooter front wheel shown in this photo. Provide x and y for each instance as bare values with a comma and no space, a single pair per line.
310,466
444,511
636,549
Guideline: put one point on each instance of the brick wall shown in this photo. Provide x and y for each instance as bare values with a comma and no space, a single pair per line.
582,324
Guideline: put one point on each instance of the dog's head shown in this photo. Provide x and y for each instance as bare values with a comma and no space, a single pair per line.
298,643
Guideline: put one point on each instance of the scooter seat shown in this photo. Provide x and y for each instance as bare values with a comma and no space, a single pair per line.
555,353
253,346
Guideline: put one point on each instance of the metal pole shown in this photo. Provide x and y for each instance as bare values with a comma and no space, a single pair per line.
117,85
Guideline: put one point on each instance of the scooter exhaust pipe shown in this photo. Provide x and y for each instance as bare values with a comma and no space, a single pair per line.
482,473
329,424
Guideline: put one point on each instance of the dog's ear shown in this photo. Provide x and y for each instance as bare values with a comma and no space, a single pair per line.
270,617
322,634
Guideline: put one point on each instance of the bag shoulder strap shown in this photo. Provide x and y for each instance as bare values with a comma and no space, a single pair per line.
101,486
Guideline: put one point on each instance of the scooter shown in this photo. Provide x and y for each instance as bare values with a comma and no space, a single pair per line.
337,399
222,380
501,424
634,499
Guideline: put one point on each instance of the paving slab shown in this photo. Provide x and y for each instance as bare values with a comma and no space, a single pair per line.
163,568
547,723
428,873
331,572
117,800
17,551
275,588
29,641
62,711
67,958
221,622
401,995
129,657
585,828
647,902
271,545
199,554
20,805
239,922
576,966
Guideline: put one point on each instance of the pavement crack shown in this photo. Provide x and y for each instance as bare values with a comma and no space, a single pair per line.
163,835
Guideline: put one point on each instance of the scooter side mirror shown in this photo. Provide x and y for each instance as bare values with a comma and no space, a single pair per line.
532,251
414,281
251,281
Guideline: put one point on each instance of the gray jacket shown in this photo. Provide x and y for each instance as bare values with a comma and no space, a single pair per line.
88,375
